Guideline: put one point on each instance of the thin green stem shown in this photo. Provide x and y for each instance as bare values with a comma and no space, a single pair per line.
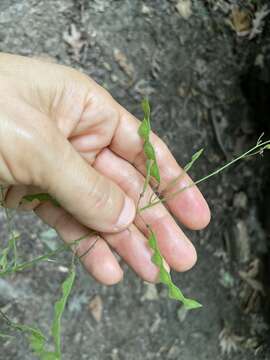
44,257
32,262
260,146
186,169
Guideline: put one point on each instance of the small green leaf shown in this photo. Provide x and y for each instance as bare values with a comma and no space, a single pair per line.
149,151
145,127
152,241
144,130
37,342
175,293
191,304
59,309
150,154
157,259
36,338
194,158
155,172
41,197
267,147
165,277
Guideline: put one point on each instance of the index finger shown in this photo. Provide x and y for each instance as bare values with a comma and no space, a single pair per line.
189,207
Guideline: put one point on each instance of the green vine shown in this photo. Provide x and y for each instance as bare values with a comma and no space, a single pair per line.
153,173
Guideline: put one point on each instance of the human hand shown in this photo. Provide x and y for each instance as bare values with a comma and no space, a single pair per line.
63,134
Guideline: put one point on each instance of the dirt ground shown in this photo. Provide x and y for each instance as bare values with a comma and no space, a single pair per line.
207,86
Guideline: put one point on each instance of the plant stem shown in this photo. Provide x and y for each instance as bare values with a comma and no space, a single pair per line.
260,147
30,263
44,257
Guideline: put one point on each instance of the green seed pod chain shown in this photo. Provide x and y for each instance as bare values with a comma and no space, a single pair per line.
152,172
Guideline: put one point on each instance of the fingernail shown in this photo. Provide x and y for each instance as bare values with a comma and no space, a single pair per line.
127,215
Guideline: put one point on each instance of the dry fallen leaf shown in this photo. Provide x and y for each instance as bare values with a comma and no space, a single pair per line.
247,23
123,62
241,21
259,21
253,283
251,287
254,268
251,274
73,38
228,341
96,307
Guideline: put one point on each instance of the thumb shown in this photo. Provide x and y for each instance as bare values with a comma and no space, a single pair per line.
91,198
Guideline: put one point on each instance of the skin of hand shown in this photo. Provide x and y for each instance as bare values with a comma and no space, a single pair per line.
62,133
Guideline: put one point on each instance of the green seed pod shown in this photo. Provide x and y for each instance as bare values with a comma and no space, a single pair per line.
154,172
149,151
144,130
